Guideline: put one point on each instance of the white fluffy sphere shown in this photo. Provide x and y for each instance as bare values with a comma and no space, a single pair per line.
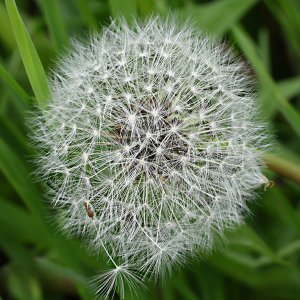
150,145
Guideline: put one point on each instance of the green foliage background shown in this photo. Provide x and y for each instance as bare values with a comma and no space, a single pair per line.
261,260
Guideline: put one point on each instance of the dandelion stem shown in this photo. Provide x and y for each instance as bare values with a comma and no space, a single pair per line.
283,167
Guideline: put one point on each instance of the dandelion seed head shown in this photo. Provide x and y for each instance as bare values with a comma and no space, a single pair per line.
156,127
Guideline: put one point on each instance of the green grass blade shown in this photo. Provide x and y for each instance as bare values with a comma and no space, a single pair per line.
55,270
184,289
146,7
86,13
124,8
10,81
291,115
168,292
21,227
21,261
211,283
24,287
14,169
264,47
217,16
6,34
290,87
248,238
235,269
13,137
232,265
286,210
290,249
285,152
16,172
30,58
275,278
11,70
55,23
287,14
277,201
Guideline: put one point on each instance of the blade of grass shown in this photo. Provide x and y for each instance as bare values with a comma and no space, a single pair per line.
235,269
16,172
21,227
60,275
184,289
168,292
28,287
86,14
273,277
21,265
290,87
146,7
10,97
277,201
6,34
285,152
239,255
264,47
59,272
248,237
162,6
17,252
211,283
124,8
30,58
13,136
217,16
287,14
10,81
290,249
289,112
23,287
55,23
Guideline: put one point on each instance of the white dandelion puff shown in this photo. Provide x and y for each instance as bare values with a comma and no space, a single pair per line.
151,145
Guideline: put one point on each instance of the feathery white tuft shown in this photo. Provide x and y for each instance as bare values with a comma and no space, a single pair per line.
151,145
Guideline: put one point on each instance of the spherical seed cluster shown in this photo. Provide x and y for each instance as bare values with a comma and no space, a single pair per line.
150,144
